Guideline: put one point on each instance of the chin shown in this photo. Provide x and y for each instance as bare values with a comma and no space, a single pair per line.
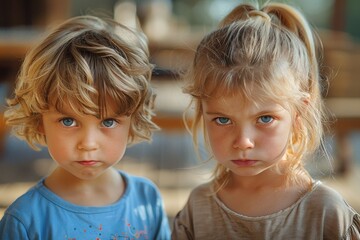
247,172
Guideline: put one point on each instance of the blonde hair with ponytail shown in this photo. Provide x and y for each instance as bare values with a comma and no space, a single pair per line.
273,50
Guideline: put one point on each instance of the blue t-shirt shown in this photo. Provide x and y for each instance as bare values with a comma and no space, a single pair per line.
41,214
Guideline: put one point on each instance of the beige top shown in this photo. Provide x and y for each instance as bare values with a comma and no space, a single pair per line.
320,214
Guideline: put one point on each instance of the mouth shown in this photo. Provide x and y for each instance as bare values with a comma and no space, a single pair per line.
244,162
88,162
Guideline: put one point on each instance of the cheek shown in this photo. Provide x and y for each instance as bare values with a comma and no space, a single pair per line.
52,139
116,143
60,148
275,141
116,146
217,140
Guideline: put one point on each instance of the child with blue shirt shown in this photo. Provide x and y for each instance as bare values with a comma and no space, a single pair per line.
84,93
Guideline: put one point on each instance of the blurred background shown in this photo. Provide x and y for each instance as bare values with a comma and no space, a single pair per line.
174,28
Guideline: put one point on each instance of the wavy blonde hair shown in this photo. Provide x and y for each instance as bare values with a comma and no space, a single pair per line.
274,51
85,62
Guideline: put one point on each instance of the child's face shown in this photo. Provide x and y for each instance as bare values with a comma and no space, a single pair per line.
84,145
246,138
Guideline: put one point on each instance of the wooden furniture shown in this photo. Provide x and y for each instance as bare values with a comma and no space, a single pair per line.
341,61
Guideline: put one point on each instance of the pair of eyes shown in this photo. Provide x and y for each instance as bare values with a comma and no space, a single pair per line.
262,120
107,123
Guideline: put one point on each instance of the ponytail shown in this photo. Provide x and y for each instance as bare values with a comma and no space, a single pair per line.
273,50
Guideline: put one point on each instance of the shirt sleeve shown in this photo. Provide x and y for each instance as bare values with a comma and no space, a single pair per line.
164,229
181,229
159,221
354,230
197,208
11,228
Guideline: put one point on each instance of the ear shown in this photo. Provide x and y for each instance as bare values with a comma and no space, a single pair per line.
306,99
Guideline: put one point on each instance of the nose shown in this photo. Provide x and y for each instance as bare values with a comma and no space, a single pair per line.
88,139
243,139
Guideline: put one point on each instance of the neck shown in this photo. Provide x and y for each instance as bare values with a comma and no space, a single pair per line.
265,180
102,190
269,180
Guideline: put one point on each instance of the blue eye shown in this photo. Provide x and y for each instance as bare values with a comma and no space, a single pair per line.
222,121
109,123
266,119
68,122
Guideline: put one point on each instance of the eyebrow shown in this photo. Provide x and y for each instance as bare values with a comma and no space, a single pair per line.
116,116
214,113
261,112
218,114
59,111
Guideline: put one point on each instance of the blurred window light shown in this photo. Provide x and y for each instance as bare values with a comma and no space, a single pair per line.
210,12
219,8
125,13
319,12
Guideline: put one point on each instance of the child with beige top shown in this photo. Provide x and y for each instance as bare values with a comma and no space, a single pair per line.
256,88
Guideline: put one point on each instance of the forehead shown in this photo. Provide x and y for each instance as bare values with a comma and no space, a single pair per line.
237,102
75,107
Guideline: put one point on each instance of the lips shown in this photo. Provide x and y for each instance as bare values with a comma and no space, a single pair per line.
88,162
244,162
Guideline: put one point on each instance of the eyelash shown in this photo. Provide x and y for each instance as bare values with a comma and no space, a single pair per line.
217,121
259,120
73,123
267,116
67,118
115,122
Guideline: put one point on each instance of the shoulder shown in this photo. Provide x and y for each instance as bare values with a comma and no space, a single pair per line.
203,191
32,196
327,198
27,204
201,200
138,182
143,196
329,208
140,187
194,217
